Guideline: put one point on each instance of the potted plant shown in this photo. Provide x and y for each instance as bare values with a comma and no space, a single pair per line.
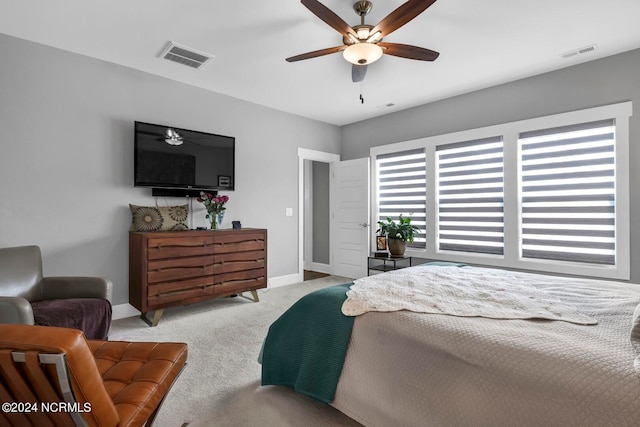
398,234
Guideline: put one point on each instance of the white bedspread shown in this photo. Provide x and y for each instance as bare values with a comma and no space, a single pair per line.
462,291
406,369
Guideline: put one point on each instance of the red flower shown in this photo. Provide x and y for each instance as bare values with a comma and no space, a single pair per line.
214,205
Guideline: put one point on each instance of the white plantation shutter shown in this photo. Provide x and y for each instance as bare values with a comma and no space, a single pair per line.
568,193
402,189
470,180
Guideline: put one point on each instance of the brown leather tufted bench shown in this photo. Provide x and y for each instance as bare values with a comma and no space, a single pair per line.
120,383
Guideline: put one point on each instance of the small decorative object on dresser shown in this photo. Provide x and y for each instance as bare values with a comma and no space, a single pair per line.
168,269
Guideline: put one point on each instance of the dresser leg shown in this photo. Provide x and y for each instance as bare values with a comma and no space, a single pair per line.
254,294
156,317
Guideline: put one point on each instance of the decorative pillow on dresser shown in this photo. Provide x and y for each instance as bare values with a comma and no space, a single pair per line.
155,218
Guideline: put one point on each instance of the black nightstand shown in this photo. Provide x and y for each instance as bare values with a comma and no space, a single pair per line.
388,263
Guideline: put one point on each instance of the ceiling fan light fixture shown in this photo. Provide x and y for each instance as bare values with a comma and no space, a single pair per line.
353,38
172,137
363,33
375,37
362,53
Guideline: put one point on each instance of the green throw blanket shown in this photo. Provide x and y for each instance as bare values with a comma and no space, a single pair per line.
305,348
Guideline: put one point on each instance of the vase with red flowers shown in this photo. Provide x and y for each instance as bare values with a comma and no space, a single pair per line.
214,204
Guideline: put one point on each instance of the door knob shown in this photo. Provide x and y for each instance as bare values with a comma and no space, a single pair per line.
364,224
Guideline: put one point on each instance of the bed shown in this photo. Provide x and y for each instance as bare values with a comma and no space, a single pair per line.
406,368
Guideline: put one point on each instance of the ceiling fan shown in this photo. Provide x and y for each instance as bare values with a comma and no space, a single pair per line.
362,44
172,137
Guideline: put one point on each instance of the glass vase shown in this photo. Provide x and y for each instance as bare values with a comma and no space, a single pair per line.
220,217
213,220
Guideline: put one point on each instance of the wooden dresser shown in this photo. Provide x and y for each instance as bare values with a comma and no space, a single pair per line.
171,268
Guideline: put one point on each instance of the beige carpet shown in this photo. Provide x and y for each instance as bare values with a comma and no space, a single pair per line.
221,384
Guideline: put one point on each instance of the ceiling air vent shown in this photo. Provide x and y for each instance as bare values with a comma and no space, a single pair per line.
580,51
185,55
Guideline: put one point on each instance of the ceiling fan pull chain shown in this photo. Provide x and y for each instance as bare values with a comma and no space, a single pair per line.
362,92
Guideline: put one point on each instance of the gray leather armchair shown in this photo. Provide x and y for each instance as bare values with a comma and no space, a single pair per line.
26,297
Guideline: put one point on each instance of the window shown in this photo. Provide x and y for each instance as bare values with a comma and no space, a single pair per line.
402,189
568,193
471,196
548,194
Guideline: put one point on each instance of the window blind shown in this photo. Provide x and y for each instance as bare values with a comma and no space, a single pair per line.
402,189
568,193
471,196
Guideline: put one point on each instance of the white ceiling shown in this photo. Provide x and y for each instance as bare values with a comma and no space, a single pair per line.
481,44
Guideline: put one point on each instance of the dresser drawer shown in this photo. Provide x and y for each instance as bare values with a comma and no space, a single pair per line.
161,294
247,278
245,235
242,243
165,270
162,289
219,258
178,247
231,266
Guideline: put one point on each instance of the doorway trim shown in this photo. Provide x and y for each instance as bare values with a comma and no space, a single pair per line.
319,156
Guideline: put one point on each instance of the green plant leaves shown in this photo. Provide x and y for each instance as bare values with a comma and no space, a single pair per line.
401,230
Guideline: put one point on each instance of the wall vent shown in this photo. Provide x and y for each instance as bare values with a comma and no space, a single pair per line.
185,55
580,51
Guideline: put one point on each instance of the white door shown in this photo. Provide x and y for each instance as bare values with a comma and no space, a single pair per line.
351,233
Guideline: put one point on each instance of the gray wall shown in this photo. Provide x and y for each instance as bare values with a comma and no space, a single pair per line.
605,81
66,158
321,207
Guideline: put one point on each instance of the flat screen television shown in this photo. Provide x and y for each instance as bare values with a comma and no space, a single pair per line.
166,157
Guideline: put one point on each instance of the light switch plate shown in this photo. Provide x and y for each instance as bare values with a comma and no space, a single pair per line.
288,211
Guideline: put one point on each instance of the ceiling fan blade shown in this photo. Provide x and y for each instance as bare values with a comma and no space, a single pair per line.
408,51
328,16
358,72
316,53
403,14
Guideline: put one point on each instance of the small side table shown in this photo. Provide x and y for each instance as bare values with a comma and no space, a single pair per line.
388,263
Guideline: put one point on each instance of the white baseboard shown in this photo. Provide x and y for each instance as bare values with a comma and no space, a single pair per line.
289,279
122,311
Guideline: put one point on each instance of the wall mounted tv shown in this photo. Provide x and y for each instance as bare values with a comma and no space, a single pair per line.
182,162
